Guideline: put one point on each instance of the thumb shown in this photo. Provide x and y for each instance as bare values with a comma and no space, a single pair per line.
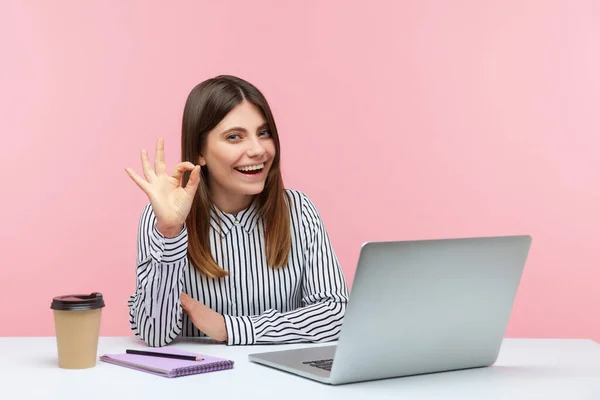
185,302
187,299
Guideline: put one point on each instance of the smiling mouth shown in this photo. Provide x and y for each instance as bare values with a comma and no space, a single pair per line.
252,169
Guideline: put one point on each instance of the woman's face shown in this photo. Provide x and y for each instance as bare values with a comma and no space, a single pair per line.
238,155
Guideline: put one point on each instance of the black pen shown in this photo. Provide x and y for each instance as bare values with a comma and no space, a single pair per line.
164,355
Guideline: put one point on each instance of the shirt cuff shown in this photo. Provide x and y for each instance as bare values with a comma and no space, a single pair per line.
240,330
169,249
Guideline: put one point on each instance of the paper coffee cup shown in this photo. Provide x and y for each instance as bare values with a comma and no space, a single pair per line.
77,325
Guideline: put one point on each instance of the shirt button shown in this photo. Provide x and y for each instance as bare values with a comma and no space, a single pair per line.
236,222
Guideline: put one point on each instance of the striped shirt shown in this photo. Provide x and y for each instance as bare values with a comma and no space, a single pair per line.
304,301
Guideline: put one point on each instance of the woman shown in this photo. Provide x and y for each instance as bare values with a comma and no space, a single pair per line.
224,250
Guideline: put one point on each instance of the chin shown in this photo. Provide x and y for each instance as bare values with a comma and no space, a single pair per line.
253,189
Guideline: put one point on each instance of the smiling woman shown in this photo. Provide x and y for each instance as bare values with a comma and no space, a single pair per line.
224,250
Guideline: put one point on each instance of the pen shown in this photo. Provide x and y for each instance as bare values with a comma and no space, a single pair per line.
164,355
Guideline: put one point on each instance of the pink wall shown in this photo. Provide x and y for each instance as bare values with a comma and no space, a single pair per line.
402,120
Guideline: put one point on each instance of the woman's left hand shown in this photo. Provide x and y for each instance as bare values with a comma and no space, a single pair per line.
205,319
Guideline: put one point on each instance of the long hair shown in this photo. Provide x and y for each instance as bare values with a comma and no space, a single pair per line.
207,104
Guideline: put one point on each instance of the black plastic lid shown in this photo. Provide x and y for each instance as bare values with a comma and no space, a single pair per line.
78,302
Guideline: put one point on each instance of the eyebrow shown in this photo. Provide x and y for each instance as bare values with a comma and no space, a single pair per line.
239,128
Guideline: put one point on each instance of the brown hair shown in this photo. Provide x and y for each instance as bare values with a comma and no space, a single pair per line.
207,104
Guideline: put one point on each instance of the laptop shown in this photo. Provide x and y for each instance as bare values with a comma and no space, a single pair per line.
417,307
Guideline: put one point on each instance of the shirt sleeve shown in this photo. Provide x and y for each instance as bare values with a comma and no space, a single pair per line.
324,295
155,312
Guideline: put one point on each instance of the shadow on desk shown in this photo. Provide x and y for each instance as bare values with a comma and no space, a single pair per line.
486,375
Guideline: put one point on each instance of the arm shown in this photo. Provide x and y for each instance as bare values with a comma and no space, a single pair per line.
155,312
324,293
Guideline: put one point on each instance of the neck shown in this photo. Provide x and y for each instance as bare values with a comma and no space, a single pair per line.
231,204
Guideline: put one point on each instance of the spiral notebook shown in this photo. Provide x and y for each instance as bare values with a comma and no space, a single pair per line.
169,367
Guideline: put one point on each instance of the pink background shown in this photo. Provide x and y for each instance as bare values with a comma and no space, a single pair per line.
401,119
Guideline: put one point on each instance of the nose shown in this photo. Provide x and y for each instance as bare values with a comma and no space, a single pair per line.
255,148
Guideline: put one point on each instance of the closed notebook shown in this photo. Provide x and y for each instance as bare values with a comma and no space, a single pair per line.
169,367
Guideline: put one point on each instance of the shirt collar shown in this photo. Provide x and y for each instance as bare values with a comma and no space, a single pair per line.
223,222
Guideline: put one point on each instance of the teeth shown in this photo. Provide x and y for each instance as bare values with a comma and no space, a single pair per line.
251,168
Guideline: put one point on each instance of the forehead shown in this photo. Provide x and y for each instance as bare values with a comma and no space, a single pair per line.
246,115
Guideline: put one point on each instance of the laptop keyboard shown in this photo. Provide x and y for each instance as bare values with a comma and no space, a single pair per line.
323,364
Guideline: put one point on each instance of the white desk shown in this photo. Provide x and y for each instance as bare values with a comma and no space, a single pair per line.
526,369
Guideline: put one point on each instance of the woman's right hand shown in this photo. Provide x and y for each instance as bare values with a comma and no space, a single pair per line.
170,201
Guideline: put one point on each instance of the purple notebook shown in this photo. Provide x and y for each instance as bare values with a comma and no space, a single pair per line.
168,367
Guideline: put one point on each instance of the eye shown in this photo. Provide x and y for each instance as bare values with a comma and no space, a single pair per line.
233,136
264,133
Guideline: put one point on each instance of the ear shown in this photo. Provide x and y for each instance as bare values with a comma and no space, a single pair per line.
201,161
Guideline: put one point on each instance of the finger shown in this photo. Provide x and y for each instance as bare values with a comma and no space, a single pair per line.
148,172
185,299
190,301
187,304
181,168
194,181
137,179
159,157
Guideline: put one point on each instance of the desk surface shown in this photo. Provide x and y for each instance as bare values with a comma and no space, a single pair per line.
526,369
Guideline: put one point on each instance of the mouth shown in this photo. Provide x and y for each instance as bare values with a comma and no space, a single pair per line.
251,169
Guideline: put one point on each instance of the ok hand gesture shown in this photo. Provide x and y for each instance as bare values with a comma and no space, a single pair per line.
170,201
